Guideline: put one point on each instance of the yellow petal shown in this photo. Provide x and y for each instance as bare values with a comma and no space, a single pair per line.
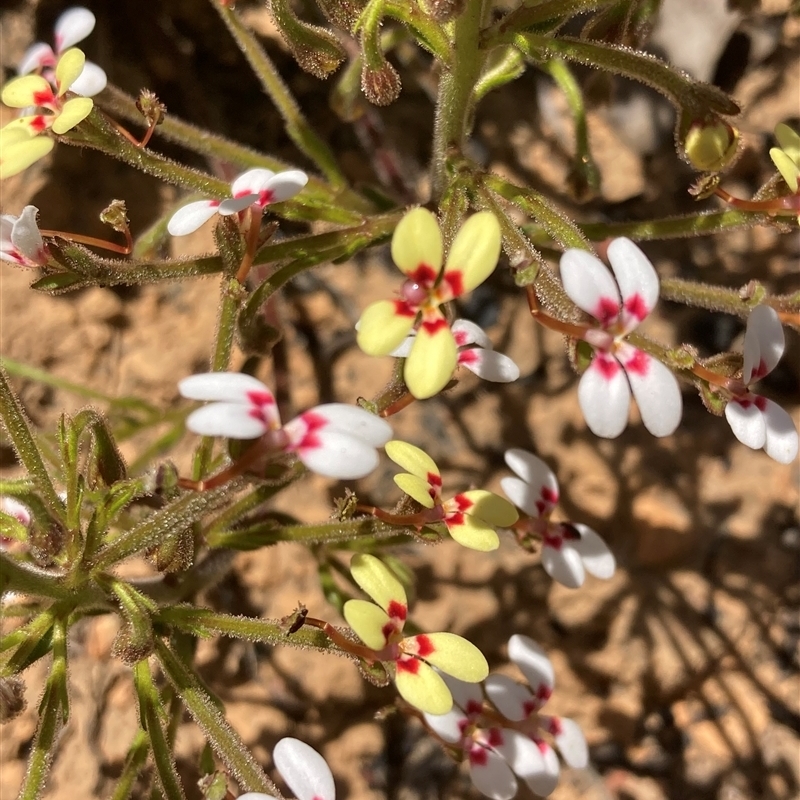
368,621
384,325
491,508
474,253
411,459
69,66
473,533
19,155
417,243
789,140
423,687
73,111
788,169
415,487
30,90
377,580
457,657
432,360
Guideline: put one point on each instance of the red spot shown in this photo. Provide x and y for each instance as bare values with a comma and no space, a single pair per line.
265,197
433,326
759,372
456,518
39,123
760,402
424,646
608,365
408,664
636,306
463,503
43,98
553,540
542,745
460,337
402,308
549,496
543,693
474,707
387,630
314,422
607,311
478,756
529,706
638,363
495,737
424,275
570,532
555,728
259,402
397,610
433,479
470,356
455,280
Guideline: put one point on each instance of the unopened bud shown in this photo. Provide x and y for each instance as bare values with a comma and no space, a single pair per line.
709,144
131,645
315,49
443,10
380,86
12,698
151,108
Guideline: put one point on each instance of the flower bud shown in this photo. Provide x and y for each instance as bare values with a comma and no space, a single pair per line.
709,144
151,108
12,698
380,86
315,49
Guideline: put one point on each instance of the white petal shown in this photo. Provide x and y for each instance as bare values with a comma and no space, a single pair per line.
764,342
589,284
597,558
6,227
537,475
467,696
522,754
304,770
781,435
605,397
404,348
286,185
489,365
447,726
74,25
233,205
36,56
251,182
337,455
356,422
90,82
564,565
544,783
532,661
26,238
637,280
189,218
467,332
231,420
570,740
521,495
655,389
747,423
513,700
494,777
13,507
231,386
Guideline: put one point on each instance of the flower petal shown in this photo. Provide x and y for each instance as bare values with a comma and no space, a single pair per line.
747,423
231,386
69,66
420,685
26,238
431,362
489,507
489,365
490,774
17,154
473,533
447,726
231,420
789,140
417,242
30,90
521,495
764,343
356,422
73,112
412,459
466,332
521,754
597,558
334,454
544,782
786,166
416,487
380,583
189,218
91,81
74,25
368,621
564,565
511,699
570,740
474,253
305,771
467,696
13,507
285,185
533,662
454,655
538,476
781,435
256,796
589,285
383,326
404,348
36,56
604,396
251,182
636,278
656,389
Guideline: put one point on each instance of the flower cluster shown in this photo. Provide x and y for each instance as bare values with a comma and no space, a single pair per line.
502,734
380,626
333,439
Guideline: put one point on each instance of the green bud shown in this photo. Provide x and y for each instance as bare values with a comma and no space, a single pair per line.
709,144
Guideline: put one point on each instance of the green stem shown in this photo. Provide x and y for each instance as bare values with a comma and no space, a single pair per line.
703,295
134,761
556,12
297,126
454,103
220,735
14,576
41,756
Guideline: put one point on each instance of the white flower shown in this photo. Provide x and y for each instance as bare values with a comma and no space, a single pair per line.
303,769
754,420
618,367
74,25
20,240
569,549
475,352
256,187
334,439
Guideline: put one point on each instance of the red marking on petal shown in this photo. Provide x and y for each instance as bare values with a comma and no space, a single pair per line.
636,306
43,98
460,337
454,518
402,308
463,503
40,123
759,372
554,727
433,479
553,540
570,532
424,646
468,356
474,707
607,311
455,281
543,694
549,495
760,402
433,326
542,745
638,363
387,630
495,737
529,706
608,365
265,197
397,610
478,756
408,664
259,401
424,274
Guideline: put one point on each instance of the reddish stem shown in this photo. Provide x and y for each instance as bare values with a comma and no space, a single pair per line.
94,242
340,640
404,401
788,205
251,243
250,457
566,328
